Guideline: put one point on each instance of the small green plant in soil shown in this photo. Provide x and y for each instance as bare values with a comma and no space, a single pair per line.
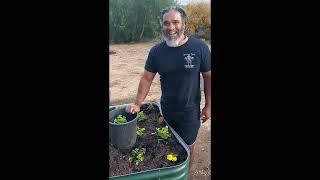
120,119
141,116
150,106
163,133
140,131
137,155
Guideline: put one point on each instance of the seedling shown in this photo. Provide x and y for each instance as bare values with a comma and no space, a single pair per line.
150,106
141,116
137,155
120,119
140,131
162,133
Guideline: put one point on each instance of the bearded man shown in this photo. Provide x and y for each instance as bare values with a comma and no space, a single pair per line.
179,60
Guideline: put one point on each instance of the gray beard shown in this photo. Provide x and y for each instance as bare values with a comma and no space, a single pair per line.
175,41
172,42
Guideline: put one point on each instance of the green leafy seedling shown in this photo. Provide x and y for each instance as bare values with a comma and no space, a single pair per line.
120,119
141,116
137,155
140,131
150,106
163,133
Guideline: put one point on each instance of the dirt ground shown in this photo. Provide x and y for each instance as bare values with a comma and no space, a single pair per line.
126,68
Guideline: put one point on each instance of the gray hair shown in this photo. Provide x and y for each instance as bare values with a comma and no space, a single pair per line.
181,11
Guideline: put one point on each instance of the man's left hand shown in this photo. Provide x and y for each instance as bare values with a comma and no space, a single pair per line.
205,114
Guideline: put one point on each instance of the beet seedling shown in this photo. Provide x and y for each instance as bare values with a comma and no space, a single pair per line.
140,131
163,133
137,155
150,106
141,116
120,119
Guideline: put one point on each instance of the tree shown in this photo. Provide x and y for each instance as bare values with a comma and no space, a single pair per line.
199,16
135,20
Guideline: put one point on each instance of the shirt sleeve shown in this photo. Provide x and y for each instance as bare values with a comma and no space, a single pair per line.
150,63
205,59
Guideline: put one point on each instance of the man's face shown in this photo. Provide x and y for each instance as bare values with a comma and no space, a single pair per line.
172,28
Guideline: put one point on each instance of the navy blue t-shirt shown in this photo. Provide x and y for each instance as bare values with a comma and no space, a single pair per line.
179,69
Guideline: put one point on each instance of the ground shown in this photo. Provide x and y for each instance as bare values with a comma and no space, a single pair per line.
126,67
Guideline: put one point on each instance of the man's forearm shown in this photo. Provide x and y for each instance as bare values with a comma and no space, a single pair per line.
143,90
207,89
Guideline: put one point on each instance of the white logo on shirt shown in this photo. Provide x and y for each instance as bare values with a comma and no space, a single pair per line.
189,58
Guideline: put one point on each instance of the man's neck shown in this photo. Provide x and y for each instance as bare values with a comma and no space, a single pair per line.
183,41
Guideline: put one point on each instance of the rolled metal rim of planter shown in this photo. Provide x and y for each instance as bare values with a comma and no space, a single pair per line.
184,145
111,108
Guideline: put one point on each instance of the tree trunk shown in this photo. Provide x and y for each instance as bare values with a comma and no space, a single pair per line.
134,29
141,32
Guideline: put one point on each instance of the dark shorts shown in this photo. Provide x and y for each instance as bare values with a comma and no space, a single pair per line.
186,124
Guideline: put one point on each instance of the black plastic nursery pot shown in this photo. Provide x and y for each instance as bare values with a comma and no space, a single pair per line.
177,172
123,136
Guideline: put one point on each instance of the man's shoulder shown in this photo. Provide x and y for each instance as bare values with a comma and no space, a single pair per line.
157,47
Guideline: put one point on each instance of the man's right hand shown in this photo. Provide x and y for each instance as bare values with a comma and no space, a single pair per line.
133,108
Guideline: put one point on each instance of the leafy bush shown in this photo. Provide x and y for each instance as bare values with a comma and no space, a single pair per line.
199,15
134,21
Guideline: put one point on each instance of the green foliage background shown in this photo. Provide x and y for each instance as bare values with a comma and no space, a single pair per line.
138,20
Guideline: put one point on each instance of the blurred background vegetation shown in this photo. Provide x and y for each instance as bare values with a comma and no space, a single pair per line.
138,20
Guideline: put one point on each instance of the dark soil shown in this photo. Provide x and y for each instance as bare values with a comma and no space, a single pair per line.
156,151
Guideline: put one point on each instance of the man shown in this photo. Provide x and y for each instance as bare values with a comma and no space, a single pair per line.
179,61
